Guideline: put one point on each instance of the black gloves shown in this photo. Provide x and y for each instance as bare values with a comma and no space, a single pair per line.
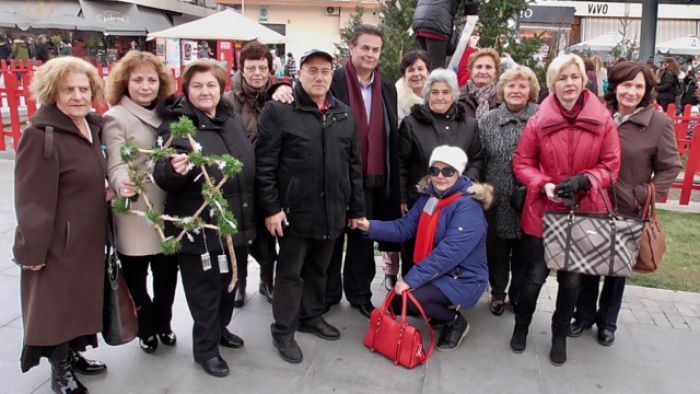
567,190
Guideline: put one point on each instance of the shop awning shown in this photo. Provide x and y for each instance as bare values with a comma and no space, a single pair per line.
26,15
114,18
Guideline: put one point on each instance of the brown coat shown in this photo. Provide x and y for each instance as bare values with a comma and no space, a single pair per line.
246,106
61,221
648,147
131,122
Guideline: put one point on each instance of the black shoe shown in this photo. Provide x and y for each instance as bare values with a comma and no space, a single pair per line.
168,338
85,366
239,299
497,307
518,341
389,282
148,345
215,366
453,333
63,380
558,353
266,290
606,337
365,309
322,330
576,328
289,349
231,340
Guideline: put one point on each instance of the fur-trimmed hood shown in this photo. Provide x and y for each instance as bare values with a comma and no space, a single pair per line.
423,114
482,192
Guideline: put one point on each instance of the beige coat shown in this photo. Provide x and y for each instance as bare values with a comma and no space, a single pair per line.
131,122
61,222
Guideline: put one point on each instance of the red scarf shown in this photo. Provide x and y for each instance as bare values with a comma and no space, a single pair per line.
371,132
427,227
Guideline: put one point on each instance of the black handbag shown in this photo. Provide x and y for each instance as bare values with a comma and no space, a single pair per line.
603,244
119,320
517,198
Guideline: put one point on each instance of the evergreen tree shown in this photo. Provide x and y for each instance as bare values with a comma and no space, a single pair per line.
499,30
397,17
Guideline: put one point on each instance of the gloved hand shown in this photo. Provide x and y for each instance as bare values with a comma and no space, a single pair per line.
567,190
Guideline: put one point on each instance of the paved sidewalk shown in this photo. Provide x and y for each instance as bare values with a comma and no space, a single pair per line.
657,349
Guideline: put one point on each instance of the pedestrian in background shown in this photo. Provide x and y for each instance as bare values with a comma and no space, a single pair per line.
290,67
668,88
42,49
433,25
480,94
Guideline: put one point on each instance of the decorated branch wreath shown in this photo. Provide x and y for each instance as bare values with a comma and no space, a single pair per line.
226,225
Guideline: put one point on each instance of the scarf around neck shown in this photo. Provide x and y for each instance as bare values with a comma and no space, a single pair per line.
482,96
371,131
427,226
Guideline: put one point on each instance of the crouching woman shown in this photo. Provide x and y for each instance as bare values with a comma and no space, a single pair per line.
449,226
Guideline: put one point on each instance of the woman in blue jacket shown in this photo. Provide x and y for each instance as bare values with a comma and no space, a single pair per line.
450,230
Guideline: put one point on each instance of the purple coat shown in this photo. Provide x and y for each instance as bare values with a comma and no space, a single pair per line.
457,264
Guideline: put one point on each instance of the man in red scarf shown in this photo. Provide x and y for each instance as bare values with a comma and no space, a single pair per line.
372,98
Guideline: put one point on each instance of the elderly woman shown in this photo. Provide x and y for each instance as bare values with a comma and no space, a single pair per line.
137,83
500,131
450,244
480,95
414,67
649,155
219,131
60,197
440,121
669,86
565,149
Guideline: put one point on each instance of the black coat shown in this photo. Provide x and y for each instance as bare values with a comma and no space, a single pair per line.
42,52
222,135
666,89
309,165
435,16
422,131
690,93
339,89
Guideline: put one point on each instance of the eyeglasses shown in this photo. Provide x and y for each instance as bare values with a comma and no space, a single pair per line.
447,172
314,71
251,69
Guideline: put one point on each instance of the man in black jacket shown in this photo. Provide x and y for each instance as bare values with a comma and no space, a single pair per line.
309,180
372,98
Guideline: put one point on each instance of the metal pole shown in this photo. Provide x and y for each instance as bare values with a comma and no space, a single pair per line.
647,43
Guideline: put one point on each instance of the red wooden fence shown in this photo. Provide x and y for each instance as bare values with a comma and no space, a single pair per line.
687,129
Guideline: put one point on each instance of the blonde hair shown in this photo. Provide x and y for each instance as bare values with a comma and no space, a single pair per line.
54,74
118,82
490,52
519,72
561,62
598,63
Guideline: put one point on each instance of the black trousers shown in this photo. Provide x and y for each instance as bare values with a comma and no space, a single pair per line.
608,305
360,267
506,258
264,251
210,303
536,272
435,304
300,283
437,51
154,313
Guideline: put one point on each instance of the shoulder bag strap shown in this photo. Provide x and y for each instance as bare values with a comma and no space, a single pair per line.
650,202
425,318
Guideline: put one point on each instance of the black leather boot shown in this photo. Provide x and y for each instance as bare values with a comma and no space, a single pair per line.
452,334
558,353
239,299
389,282
63,380
519,340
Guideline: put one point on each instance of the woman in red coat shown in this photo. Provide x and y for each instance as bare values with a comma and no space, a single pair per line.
567,147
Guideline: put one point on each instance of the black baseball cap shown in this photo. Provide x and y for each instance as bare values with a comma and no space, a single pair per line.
315,52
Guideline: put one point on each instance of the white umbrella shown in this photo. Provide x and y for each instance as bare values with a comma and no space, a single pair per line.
224,25
689,45
606,42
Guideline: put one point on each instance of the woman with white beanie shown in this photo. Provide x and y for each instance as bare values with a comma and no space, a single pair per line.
449,227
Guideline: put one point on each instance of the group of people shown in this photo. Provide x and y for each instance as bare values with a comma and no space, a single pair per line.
455,181
24,48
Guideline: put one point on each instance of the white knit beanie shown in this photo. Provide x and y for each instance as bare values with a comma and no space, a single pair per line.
450,155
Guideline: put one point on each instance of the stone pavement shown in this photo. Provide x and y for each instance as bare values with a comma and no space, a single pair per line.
657,349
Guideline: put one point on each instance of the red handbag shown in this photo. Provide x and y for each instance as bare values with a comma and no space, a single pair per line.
397,340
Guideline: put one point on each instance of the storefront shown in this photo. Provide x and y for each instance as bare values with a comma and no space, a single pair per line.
556,25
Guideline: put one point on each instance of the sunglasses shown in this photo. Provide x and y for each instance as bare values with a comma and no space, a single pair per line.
447,172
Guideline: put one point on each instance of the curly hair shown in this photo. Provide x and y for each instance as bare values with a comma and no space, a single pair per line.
54,74
118,82
519,72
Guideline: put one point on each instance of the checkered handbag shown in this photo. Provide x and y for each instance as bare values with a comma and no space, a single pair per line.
605,244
